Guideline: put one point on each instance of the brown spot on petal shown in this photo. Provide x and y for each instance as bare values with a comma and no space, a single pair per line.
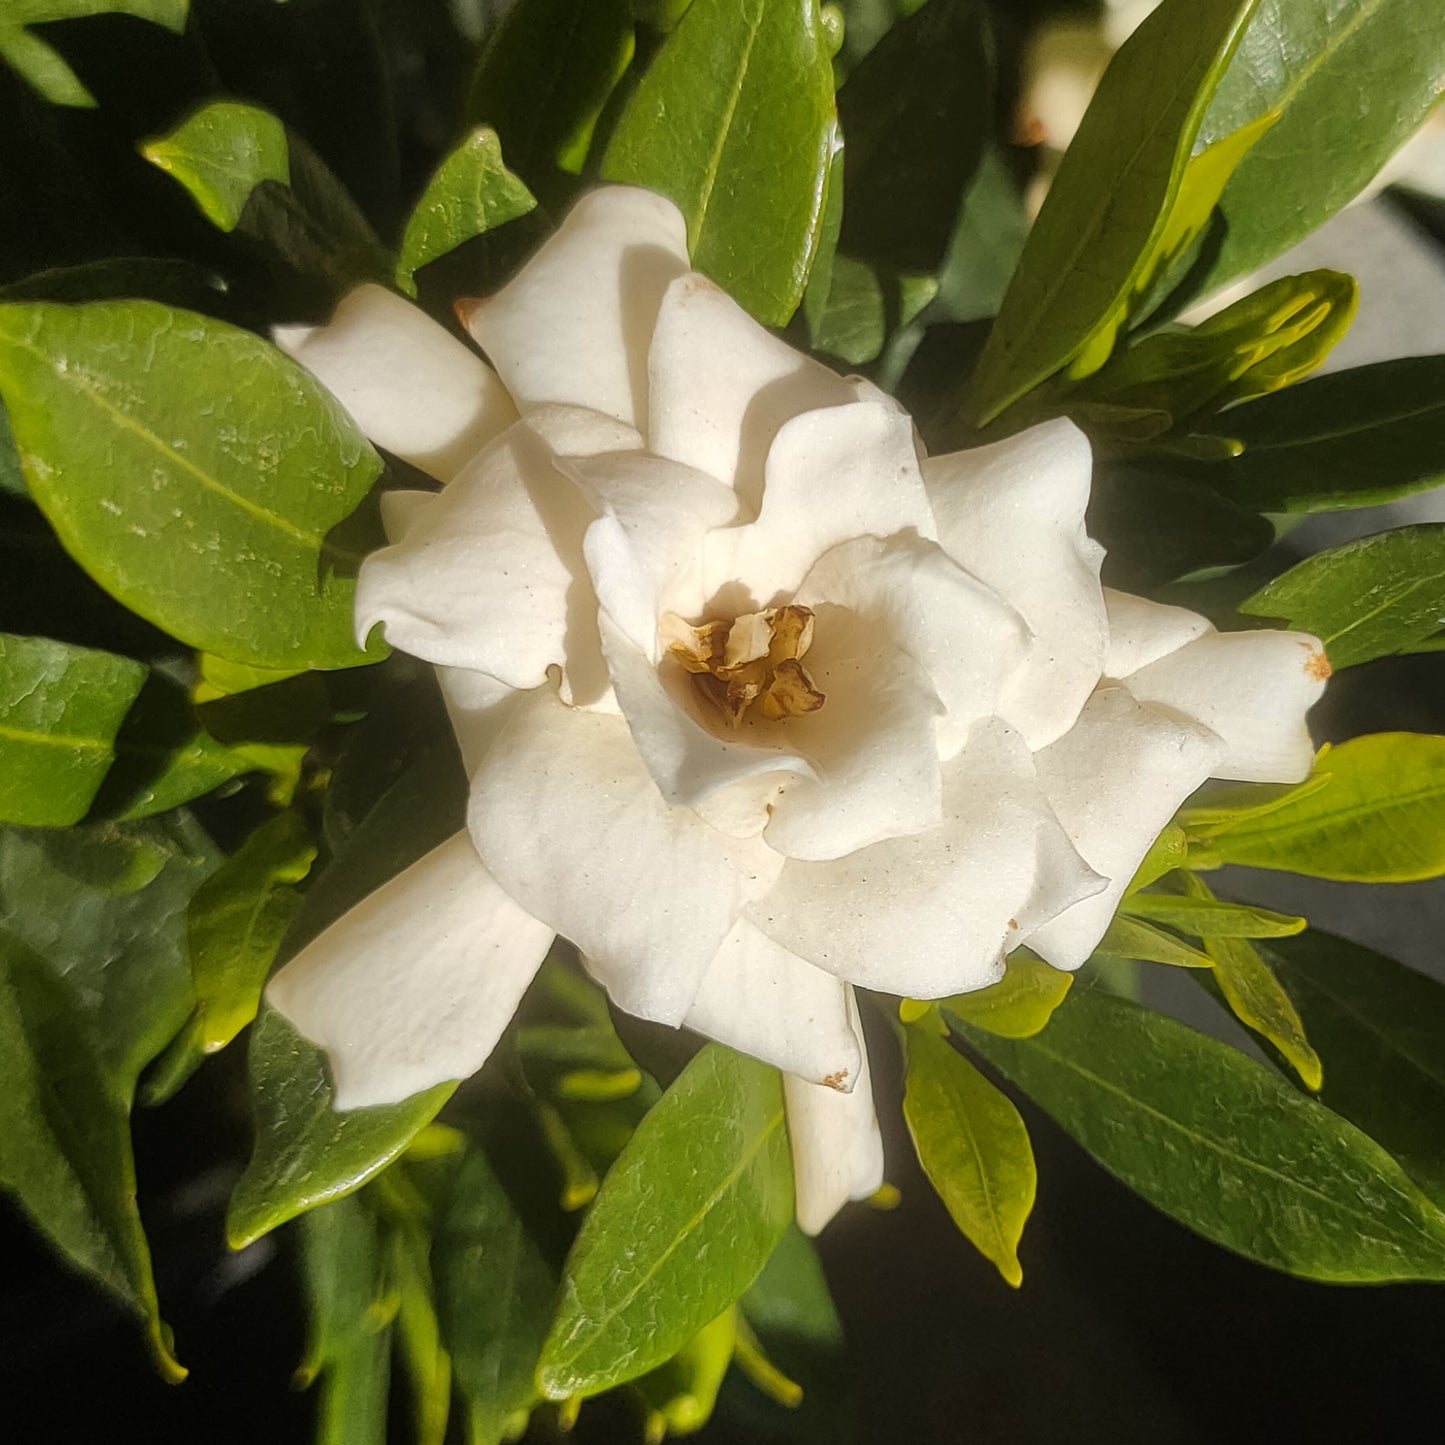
1013,923
837,1079
465,307
1317,665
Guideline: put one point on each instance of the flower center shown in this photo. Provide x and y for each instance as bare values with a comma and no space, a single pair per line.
753,663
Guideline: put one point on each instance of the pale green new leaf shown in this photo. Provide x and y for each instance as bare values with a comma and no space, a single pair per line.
973,1147
1019,1004
1366,599
1208,915
194,471
1378,819
1129,938
60,710
1224,1144
1256,998
685,1219
734,121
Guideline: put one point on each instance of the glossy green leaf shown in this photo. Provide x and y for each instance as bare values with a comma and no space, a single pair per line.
544,79
1019,1004
1109,204
495,1289
1129,938
194,471
234,925
734,120
1381,1029
1223,1144
42,65
679,1395
349,1335
60,710
471,192
684,1221
306,1151
1350,439
1209,915
1366,599
1349,81
65,1140
916,113
221,154
1379,819
973,1147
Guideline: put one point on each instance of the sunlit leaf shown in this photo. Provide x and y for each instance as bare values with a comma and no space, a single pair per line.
1019,1004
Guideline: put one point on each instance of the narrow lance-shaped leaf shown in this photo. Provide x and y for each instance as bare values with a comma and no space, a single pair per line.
734,120
471,193
194,471
1223,1144
1377,820
972,1144
683,1223
1201,915
1110,201
1015,1007
1128,937
60,710
1366,599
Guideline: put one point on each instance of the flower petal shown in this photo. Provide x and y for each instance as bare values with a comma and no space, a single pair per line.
652,514
415,984
721,386
575,323
1141,632
931,914
1115,779
1013,514
477,706
965,636
837,1147
411,386
485,574
568,820
832,475
762,1000
1253,689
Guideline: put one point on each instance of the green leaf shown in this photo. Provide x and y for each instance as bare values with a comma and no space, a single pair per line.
1349,84
916,113
306,1151
418,1333
1366,599
1109,205
42,66
1378,820
104,906
544,79
221,154
1166,853
1350,439
679,1395
64,1139
234,925
683,1223
495,1287
1223,1144
1129,938
973,1147
1208,915
734,120
1019,1004
1381,1026
60,710
471,192
194,471
1257,1000
349,1335
1230,805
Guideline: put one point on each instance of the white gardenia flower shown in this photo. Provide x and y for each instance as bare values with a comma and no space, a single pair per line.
758,702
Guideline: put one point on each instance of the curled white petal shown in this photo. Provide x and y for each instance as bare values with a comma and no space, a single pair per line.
932,914
1253,689
1114,780
759,998
836,1144
722,386
1141,632
409,385
415,984
576,322
1013,515
567,819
